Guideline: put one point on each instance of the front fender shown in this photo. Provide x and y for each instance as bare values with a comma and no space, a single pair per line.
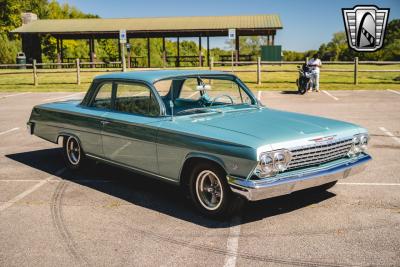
233,166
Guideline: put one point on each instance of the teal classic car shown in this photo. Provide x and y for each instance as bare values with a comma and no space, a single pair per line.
204,131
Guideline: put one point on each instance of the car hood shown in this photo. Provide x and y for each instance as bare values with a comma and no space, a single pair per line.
274,126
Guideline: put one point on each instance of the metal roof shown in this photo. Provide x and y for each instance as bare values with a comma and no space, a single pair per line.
152,76
151,24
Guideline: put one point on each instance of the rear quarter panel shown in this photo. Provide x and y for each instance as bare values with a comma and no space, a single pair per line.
54,119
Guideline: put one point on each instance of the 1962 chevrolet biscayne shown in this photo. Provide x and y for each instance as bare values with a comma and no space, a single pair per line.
205,131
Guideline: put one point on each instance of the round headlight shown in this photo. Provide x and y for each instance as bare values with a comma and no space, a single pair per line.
364,142
356,140
266,164
360,143
280,162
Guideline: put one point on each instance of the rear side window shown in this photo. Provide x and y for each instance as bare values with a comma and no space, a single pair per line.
104,96
136,98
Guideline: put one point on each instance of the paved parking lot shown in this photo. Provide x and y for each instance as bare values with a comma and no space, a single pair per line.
105,216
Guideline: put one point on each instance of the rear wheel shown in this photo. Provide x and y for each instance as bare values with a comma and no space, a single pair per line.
210,191
73,153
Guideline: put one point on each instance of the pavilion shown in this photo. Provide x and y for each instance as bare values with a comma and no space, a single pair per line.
161,27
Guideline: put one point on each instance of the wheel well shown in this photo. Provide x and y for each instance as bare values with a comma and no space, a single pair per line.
188,165
62,136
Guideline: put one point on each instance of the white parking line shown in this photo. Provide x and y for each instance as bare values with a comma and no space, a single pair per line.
5,96
383,129
29,191
373,184
232,243
393,91
62,97
328,94
9,131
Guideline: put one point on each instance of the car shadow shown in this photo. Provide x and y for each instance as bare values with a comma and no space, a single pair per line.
154,194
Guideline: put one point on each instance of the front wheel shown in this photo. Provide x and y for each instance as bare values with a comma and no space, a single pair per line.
210,191
73,154
303,86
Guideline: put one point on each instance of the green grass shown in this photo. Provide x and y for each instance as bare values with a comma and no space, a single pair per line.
66,81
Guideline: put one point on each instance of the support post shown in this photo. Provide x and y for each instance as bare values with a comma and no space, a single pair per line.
258,70
178,60
307,59
356,70
128,61
58,53
62,50
164,53
119,51
78,72
91,51
122,49
35,77
268,40
148,53
200,54
211,63
237,49
208,51
273,39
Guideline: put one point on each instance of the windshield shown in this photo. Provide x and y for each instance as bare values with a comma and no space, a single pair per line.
203,94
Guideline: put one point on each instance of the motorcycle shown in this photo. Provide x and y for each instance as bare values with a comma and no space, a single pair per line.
304,82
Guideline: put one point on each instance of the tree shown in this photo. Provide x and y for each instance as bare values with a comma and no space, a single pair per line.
8,49
337,48
10,15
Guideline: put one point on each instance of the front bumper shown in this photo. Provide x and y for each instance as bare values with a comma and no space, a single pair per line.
297,180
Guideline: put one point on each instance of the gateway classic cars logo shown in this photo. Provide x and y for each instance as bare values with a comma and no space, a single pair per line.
365,27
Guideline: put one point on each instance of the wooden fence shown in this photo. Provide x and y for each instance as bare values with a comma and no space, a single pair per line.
37,68
260,63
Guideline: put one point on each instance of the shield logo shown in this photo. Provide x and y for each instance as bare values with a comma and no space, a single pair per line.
365,27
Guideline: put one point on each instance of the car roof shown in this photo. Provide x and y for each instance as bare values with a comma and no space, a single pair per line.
152,76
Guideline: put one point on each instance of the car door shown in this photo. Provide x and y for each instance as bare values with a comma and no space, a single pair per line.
130,129
90,122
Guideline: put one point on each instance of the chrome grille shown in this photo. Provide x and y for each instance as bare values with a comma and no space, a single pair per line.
316,154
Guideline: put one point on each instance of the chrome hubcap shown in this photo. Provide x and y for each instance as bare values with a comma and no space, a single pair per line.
209,190
73,150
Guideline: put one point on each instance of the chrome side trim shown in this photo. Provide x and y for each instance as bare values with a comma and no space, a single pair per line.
266,188
147,173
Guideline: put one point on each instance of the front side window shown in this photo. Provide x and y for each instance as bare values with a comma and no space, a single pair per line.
136,98
104,96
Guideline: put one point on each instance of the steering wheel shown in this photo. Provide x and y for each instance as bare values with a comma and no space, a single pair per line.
218,97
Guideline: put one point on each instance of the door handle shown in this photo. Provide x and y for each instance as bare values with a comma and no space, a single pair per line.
105,122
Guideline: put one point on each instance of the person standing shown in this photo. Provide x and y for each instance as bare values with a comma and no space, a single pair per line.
315,64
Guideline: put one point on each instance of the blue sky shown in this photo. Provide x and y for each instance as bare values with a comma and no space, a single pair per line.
306,24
